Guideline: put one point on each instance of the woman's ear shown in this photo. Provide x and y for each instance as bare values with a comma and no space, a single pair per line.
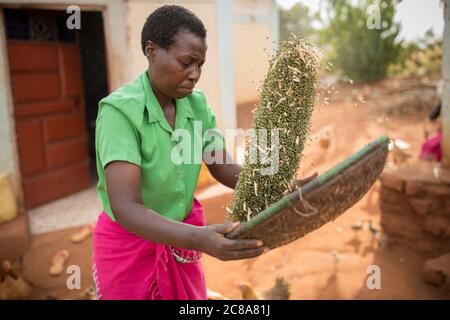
150,49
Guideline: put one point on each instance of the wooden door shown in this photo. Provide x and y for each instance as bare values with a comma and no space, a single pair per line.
46,82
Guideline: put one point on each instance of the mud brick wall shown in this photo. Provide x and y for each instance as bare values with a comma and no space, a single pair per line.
14,238
415,206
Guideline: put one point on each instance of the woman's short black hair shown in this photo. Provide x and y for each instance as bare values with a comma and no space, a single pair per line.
163,24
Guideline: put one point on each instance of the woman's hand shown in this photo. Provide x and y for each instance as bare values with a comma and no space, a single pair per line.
213,242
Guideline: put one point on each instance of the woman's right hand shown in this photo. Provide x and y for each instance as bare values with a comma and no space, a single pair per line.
213,242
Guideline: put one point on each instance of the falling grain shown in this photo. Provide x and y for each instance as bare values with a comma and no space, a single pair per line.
286,101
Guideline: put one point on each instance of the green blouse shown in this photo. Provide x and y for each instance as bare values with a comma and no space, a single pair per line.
131,127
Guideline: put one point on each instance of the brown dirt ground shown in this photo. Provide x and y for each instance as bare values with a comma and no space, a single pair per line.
307,264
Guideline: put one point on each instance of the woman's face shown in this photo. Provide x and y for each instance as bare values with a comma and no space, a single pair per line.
176,70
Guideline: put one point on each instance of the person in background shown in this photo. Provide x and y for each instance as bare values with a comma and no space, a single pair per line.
431,148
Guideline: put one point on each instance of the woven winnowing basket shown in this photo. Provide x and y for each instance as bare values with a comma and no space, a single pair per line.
318,202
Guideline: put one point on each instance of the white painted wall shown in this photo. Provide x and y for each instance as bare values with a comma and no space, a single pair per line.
8,150
255,37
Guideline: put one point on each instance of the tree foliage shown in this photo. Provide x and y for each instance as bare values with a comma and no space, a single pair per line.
362,37
420,58
297,20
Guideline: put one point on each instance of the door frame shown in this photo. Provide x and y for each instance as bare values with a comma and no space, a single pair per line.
114,23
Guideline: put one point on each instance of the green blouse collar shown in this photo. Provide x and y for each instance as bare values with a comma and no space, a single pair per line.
155,112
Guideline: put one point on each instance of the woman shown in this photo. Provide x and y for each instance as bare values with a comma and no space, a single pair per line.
149,238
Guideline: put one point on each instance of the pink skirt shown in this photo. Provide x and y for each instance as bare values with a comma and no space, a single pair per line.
128,267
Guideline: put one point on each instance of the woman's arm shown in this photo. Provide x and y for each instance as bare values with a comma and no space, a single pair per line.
224,169
227,171
123,182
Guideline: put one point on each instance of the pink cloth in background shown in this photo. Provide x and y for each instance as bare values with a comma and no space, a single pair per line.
432,147
128,267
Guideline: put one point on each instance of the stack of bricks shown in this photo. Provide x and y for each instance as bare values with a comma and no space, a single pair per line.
415,205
